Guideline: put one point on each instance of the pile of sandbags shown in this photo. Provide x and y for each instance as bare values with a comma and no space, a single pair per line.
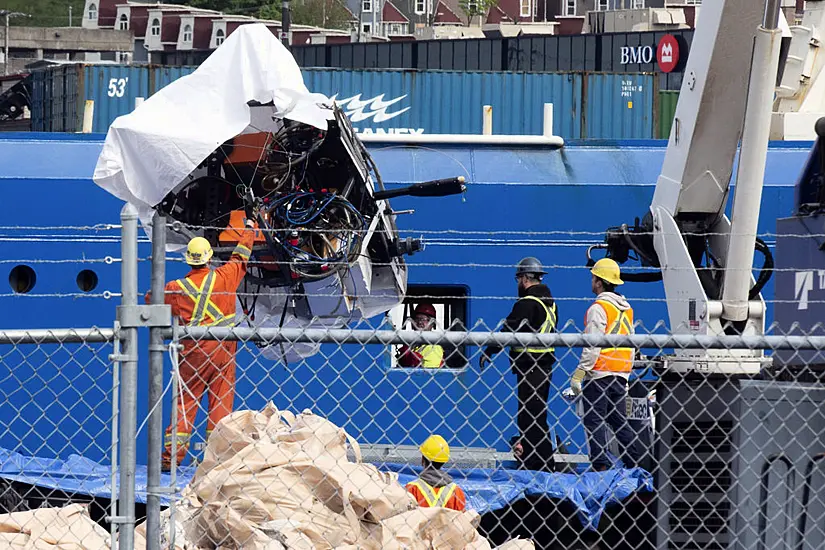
272,480
67,527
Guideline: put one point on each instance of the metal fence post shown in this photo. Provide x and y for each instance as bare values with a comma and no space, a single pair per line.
156,353
128,394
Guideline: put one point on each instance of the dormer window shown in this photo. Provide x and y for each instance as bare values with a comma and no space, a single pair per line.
187,33
219,37
155,28
92,12
123,22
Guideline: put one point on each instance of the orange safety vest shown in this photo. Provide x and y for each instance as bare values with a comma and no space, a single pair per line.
438,497
204,311
618,322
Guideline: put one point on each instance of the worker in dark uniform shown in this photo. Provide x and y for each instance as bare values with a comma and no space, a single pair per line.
535,311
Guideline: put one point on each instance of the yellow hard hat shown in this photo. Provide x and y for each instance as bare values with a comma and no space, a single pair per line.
607,270
435,449
199,251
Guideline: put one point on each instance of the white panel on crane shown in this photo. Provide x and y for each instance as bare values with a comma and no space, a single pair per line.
708,121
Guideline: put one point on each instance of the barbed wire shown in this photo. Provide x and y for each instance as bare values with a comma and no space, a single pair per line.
107,260
427,231
96,227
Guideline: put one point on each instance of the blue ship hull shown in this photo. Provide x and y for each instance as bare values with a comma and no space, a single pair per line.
520,201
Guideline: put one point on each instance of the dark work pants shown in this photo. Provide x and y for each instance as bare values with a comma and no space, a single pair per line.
533,388
605,405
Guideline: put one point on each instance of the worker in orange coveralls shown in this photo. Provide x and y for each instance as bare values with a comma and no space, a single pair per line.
206,297
435,488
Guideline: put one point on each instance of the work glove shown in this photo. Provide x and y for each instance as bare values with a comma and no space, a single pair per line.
484,360
249,205
576,381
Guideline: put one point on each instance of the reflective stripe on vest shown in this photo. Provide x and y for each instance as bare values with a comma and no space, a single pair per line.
546,327
204,306
618,322
435,497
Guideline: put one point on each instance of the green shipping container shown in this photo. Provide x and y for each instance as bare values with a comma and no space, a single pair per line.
667,109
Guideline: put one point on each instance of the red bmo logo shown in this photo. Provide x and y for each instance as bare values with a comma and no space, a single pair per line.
667,54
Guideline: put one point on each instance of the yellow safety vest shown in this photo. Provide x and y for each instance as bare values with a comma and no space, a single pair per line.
435,497
432,356
546,327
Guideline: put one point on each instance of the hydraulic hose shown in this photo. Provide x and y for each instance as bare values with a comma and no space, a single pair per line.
766,271
648,277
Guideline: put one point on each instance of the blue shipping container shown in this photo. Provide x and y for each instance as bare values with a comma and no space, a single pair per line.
586,105
619,106
451,102
55,96
59,93
114,89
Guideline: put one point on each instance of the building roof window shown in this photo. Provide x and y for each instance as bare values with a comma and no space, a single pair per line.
123,22
92,12
219,37
155,29
187,33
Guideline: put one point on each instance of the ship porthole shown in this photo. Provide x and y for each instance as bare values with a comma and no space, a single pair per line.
87,280
22,279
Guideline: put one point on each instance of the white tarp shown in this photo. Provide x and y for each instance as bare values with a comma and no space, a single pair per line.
148,152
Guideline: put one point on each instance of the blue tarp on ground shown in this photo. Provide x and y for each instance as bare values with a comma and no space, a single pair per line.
486,490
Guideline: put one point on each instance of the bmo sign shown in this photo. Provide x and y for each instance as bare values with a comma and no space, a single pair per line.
666,54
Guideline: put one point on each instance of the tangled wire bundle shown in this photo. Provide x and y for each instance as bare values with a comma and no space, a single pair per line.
321,232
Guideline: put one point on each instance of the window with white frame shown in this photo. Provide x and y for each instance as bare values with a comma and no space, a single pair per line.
366,28
420,7
219,37
123,22
472,6
450,304
602,5
638,4
525,8
366,6
395,29
92,12
155,28
187,33
569,7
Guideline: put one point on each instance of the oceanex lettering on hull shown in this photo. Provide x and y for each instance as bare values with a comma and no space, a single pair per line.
384,131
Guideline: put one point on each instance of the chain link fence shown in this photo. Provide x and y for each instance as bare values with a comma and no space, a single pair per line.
61,389
716,461
311,437
59,411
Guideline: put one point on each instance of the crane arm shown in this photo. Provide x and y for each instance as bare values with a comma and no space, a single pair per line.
705,259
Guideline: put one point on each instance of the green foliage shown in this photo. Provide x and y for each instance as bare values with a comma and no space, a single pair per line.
45,13
477,7
328,14
320,13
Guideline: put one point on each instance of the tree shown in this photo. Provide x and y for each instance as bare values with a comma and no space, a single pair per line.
477,7
328,14
45,13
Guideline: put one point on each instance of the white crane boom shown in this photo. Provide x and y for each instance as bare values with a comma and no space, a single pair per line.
705,259
800,96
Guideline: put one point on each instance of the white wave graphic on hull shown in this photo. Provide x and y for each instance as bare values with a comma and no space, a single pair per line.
358,109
